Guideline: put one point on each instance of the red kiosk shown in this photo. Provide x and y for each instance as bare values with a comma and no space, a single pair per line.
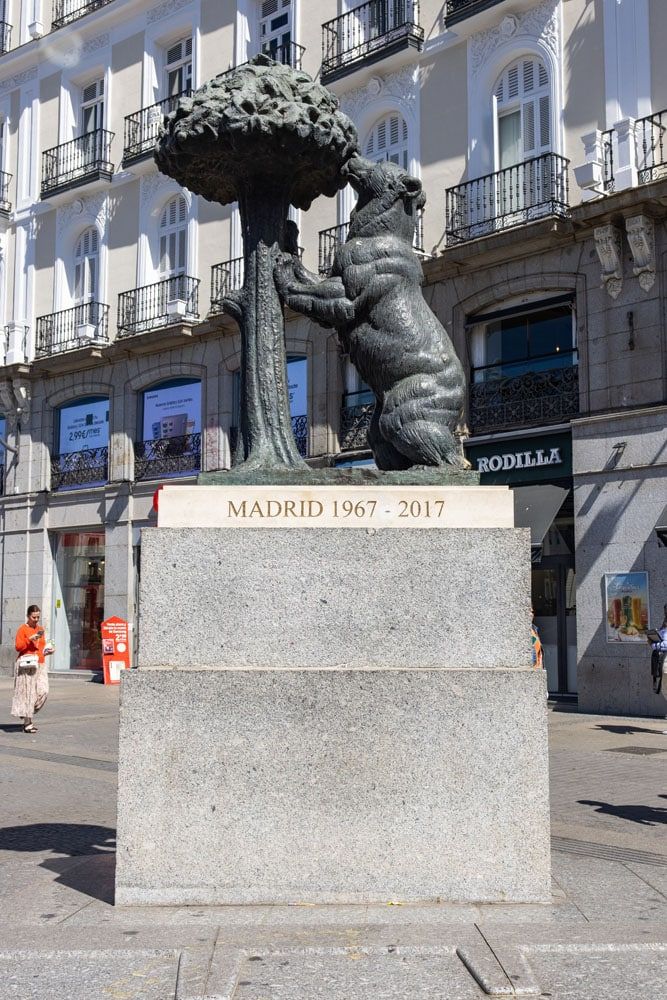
115,649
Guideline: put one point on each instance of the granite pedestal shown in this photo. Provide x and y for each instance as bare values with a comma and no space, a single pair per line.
333,715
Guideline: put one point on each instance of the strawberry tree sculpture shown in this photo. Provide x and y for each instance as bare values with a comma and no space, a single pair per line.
265,136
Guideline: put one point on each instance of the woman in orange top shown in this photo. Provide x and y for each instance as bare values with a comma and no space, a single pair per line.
31,683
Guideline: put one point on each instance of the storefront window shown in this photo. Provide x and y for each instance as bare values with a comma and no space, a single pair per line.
78,600
297,386
530,342
82,444
169,430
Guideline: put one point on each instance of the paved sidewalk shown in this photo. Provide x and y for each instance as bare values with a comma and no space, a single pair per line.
604,935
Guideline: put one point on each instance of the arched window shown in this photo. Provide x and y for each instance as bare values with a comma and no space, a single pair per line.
388,140
523,111
169,430
86,266
81,443
173,238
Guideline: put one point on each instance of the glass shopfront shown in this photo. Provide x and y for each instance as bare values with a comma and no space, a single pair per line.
78,600
539,470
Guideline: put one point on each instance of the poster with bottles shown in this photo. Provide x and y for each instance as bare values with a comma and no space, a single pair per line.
626,596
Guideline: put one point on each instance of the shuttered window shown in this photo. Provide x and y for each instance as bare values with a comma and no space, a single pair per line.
523,107
173,238
86,266
275,28
92,107
178,67
388,140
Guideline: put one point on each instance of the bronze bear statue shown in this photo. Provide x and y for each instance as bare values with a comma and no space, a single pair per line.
374,300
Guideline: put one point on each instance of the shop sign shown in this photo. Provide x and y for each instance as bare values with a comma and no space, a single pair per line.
172,411
115,649
626,599
523,460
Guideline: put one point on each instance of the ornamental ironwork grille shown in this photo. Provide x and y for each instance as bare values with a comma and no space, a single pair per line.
651,143
85,158
368,33
167,457
511,197
458,10
66,11
79,468
142,128
82,326
5,37
165,303
529,399
226,277
608,181
355,419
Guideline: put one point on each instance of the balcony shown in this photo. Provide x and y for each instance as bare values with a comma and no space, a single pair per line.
651,143
5,37
225,277
84,159
608,181
289,54
81,326
367,34
511,197
329,239
458,10
164,458
66,11
165,303
355,417
5,203
505,396
79,468
143,128
299,430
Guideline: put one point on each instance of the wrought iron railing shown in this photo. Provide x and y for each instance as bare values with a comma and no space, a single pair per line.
226,277
651,143
79,326
2,479
169,456
65,11
329,239
299,430
82,159
143,127
506,395
355,418
511,197
369,32
5,203
458,10
608,181
174,300
79,468
287,53
5,37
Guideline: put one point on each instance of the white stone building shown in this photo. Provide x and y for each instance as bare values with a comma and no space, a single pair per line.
540,135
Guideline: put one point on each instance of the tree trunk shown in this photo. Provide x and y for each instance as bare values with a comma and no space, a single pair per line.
266,440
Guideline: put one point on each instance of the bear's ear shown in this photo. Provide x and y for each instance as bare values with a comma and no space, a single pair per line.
412,187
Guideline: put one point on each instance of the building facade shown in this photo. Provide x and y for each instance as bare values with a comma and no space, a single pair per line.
539,132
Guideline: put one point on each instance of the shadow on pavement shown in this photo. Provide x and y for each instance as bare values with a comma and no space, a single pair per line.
628,730
644,815
11,727
87,853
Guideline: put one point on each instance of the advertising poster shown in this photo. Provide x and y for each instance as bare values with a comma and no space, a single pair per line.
172,411
297,385
115,649
84,425
626,598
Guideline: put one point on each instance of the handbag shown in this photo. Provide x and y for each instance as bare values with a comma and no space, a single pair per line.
27,663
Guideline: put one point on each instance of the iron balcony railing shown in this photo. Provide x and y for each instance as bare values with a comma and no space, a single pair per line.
226,277
173,300
287,53
2,479
651,143
511,197
162,458
5,37
299,430
143,127
5,203
65,11
79,326
355,418
329,239
458,10
83,159
368,33
79,468
608,181
541,390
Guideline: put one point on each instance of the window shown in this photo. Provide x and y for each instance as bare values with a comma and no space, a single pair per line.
178,68
92,107
171,409
86,267
173,238
275,29
388,140
523,112
525,341
83,424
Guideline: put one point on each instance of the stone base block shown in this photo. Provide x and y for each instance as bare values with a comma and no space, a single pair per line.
305,786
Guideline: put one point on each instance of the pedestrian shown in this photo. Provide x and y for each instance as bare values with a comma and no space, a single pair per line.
536,649
31,680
